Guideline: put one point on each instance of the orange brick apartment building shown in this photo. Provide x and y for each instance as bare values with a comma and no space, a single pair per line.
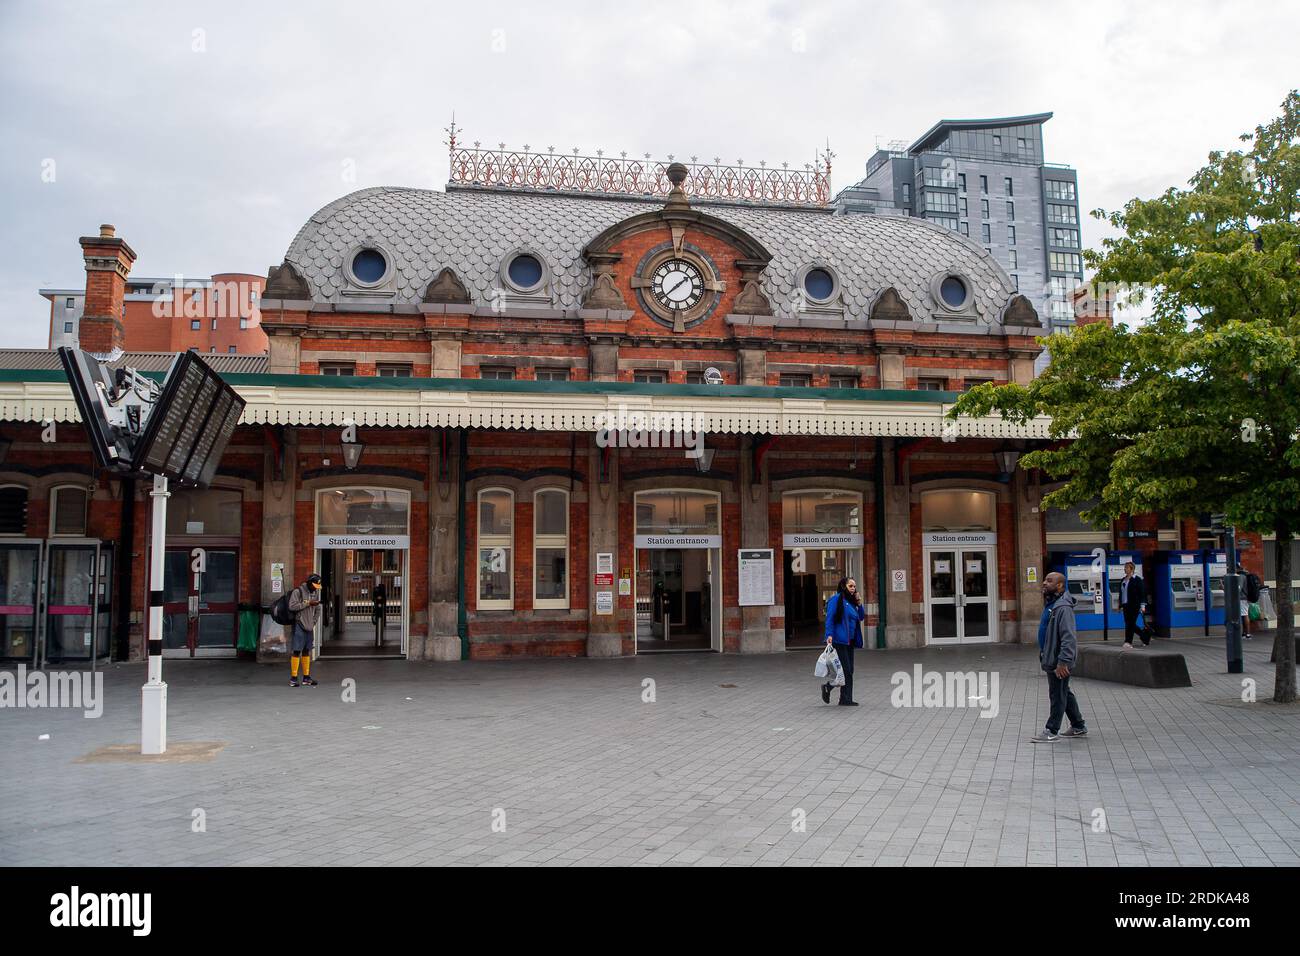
215,314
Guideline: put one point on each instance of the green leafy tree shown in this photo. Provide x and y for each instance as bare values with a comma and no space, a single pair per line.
1198,409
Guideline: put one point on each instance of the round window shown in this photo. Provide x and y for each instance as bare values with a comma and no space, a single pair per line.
525,271
369,266
953,291
819,284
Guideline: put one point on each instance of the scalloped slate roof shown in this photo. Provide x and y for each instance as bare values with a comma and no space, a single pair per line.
473,231
48,359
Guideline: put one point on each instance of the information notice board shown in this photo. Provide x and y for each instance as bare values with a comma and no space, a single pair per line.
756,579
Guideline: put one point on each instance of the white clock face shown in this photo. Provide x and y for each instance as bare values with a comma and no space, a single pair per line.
678,285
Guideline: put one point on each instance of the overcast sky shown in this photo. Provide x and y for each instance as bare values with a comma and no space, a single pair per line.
209,132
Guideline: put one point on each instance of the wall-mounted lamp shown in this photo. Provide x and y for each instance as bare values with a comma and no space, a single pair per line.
352,453
1007,459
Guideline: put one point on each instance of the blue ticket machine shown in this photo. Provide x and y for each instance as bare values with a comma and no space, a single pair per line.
1085,580
1178,579
1115,576
1216,569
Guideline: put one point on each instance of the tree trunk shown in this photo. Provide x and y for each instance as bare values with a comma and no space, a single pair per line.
1284,641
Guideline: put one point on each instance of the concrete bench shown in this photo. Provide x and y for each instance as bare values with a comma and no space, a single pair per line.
1141,666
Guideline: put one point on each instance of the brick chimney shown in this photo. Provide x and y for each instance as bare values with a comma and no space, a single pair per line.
108,263
1094,303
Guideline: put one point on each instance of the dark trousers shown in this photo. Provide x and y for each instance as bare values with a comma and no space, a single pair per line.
1131,627
1061,700
845,651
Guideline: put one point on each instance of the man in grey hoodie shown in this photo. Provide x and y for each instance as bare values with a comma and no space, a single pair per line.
1057,648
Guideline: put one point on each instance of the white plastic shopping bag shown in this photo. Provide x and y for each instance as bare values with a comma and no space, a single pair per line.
824,662
1266,609
828,666
839,669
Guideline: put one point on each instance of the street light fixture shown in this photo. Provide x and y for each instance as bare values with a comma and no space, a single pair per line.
1007,459
352,453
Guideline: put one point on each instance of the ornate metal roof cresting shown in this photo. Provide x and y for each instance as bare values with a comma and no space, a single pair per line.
526,169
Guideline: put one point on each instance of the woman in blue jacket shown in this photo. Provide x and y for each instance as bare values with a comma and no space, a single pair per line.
844,614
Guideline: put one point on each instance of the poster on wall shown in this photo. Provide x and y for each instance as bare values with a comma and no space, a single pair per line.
605,563
900,579
757,586
604,602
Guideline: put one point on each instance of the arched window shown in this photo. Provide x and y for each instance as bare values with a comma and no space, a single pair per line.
68,511
13,509
496,545
958,510
551,549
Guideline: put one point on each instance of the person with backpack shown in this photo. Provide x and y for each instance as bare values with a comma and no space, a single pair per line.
304,604
844,614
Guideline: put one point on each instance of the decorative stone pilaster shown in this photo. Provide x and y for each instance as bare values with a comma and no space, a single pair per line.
752,300
756,633
604,631
603,293
604,362
899,629
279,492
753,367
445,537
1029,554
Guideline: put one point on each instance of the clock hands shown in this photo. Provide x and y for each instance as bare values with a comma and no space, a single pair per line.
684,278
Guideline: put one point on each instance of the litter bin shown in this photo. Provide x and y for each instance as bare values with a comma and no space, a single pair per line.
250,626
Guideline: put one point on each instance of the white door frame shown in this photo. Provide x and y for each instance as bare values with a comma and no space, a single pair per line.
406,604
406,556
989,552
714,562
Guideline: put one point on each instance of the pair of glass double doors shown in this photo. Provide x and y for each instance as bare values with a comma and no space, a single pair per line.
200,608
960,596
55,600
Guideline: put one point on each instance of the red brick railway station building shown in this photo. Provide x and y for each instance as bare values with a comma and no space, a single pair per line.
462,420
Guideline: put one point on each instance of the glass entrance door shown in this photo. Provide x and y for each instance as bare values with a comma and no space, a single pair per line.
976,596
959,593
200,607
71,601
19,570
